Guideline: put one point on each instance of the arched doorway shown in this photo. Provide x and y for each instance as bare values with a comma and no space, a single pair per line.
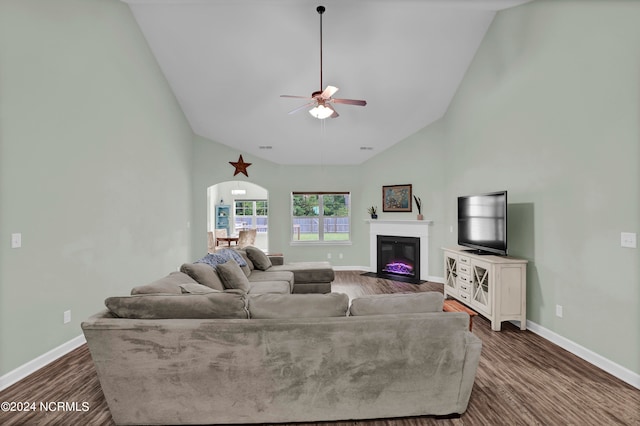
247,205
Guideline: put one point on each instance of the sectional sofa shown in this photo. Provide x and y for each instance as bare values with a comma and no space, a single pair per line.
178,351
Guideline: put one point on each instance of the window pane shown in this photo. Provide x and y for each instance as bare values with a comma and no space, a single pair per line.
305,229
305,205
261,208
261,224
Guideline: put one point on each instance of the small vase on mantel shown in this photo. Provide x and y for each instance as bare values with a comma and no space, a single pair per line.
374,216
420,217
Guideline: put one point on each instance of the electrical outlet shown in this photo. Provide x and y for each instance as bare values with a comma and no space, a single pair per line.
16,240
628,239
559,311
67,317
328,255
340,256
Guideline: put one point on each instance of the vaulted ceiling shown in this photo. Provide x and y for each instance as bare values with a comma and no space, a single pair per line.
228,62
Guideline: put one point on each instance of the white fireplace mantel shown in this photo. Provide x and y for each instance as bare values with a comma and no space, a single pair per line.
401,228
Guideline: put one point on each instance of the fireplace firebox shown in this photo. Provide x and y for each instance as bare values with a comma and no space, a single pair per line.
399,258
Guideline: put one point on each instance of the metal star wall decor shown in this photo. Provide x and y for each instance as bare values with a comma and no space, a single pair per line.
241,166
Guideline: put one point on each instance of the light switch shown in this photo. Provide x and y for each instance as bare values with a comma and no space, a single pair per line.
628,239
16,240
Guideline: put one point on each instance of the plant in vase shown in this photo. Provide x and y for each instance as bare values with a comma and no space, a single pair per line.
373,211
419,205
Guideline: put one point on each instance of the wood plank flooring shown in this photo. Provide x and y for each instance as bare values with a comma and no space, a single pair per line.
522,380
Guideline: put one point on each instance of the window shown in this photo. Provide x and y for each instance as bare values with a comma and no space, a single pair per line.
321,217
251,214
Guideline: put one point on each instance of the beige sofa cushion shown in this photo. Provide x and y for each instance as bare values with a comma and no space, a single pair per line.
260,260
262,287
308,272
411,303
232,276
249,264
259,276
272,306
164,306
169,284
204,274
195,288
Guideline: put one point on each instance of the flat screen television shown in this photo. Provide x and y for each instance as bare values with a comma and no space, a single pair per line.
482,223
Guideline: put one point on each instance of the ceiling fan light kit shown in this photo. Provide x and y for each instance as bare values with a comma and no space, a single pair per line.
321,100
321,112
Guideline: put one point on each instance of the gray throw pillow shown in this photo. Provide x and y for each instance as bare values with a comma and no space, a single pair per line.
232,276
260,260
400,303
203,274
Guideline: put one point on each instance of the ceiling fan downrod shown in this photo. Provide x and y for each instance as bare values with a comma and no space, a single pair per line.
320,10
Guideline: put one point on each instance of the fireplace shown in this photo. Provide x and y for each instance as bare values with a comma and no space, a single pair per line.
398,258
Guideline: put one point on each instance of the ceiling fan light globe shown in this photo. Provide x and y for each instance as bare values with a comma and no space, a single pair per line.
321,112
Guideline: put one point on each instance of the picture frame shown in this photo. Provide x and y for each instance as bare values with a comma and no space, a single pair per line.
397,198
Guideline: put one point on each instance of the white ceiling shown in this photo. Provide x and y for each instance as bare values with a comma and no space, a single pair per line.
228,62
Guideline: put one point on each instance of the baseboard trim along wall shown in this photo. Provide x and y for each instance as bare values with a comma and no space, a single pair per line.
34,365
599,361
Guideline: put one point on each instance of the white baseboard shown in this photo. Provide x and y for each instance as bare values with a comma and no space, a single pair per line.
599,361
352,268
34,365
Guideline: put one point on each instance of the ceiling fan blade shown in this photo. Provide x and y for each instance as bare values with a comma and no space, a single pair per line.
307,105
297,97
328,92
335,113
350,101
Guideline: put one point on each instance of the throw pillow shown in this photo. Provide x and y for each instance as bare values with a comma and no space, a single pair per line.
195,288
260,260
204,274
165,306
169,284
409,303
232,276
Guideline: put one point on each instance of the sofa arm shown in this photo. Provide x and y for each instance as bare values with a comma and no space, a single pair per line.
276,259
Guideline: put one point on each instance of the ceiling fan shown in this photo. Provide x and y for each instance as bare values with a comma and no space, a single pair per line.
322,100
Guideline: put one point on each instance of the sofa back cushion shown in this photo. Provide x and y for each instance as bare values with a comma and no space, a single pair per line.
169,284
260,260
195,288
273,306
232,276
203,274
165,306
399,303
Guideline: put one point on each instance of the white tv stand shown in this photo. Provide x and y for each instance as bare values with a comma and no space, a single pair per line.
493,286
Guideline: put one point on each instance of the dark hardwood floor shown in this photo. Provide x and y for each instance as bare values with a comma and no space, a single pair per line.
522,380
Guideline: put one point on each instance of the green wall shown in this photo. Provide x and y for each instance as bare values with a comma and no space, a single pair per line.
549,110
95,160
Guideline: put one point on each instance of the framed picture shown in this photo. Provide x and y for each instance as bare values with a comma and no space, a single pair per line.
396,198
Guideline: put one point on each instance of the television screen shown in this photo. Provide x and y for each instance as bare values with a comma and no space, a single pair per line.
482,222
